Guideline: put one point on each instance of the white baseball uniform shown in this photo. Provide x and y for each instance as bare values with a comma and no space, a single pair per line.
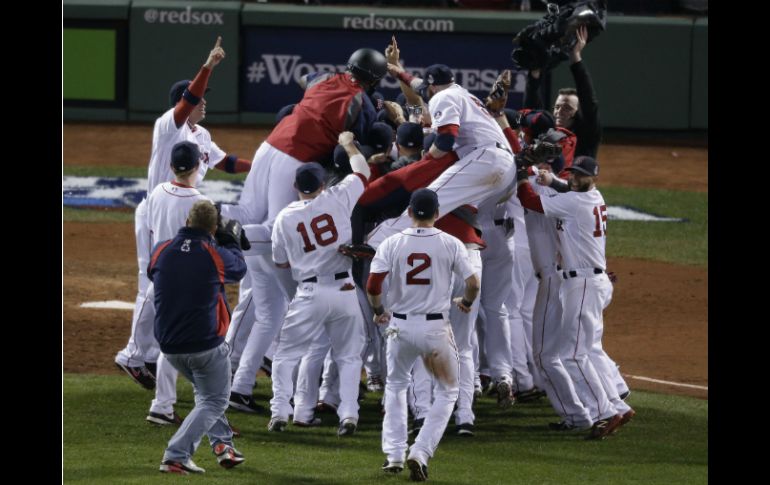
485,165
165,135
167,209
548,336
582,232
306,235
420,263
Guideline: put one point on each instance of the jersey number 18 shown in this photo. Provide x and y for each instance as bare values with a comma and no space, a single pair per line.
321,226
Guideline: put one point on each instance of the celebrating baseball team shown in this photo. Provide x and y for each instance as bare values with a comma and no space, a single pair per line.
447,245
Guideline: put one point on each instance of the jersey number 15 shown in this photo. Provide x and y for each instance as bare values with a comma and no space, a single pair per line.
600,213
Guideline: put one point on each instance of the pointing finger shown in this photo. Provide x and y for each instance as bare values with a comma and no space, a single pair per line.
219,41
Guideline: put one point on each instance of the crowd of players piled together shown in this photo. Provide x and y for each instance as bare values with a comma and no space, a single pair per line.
344,182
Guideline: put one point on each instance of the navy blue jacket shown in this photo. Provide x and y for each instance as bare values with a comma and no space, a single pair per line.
189,273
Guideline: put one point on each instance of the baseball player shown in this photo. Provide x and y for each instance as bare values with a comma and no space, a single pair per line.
305,238
179,123
421,262
586,289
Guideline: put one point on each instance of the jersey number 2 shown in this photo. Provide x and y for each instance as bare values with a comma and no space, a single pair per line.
321,226
600,213
410,276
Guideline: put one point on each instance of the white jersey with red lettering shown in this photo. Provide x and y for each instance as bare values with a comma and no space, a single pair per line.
423,261
165,135
582,227
167,209
456,106
307,233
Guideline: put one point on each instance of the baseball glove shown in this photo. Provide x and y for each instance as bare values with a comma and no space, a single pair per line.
357,251
230,231
498,96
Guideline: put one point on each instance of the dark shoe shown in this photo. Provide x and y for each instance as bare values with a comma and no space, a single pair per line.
504,395
561,426
227,456
603,427
529,395
325,407
393,466
464,429
276,425
416,427
347,427
185,468
152,368
627,416
417,471
242,402
625,395
486,383
374,384
267,366
164,419
140,375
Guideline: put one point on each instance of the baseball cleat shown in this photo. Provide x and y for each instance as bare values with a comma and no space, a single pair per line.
529,395
347,427
140,375
603,427
416,426
504,395
417,471
393,466
276,425
315,422
244,403
464,429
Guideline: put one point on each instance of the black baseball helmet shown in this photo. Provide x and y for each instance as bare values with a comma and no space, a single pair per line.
368,65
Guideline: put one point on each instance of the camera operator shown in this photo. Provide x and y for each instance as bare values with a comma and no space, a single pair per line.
576,110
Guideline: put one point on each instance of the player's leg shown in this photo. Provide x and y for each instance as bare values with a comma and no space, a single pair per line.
329,393
440,356
401,354
420,393
308,377
580,303
300,328
463,324
346,333
546,346
241,322
165,390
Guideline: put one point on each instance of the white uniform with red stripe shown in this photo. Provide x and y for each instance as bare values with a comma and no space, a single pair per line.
421,264
165,135
306,235
586,291
548,336
485,166
167,209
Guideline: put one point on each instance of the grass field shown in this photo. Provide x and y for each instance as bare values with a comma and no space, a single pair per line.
107,441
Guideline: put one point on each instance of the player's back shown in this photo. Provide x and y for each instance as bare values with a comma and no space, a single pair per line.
308,232
455,105
422,263
167,209
328,108
583,228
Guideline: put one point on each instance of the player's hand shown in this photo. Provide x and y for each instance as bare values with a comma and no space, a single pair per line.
395,112
382,319
544,177
377,158
391,52
394,69
216,55
582,39
346,138
459,302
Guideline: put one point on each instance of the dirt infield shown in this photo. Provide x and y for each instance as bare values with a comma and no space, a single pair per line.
656,325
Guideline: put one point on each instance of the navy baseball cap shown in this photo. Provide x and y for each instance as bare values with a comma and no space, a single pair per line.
342,161
175,94
382,117
380,136
424,203
538,122
437,75
185,155
585,165
409,135
309,177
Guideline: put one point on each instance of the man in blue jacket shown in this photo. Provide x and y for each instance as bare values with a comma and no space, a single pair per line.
191,319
